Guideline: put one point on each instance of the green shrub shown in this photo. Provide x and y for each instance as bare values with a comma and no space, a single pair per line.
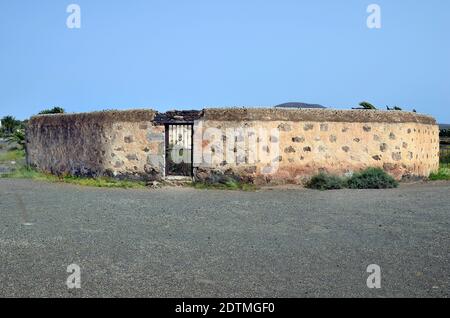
372,178
323,181
442,174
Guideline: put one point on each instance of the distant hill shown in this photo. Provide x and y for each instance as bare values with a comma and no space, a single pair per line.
444,126
299,105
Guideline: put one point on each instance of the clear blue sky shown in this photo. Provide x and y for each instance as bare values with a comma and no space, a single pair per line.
178,54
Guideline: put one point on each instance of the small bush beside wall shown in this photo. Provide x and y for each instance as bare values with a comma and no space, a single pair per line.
324,181
442,174
371,178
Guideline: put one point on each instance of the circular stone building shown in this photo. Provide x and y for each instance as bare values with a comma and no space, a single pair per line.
276,145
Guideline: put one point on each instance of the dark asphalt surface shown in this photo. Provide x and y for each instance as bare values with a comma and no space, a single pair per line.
182,242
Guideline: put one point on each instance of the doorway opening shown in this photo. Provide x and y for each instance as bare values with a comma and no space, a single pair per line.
179,154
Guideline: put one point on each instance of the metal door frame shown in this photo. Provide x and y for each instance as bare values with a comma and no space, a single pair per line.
166,146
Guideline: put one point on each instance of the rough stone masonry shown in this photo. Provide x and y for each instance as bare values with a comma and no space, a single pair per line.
131,144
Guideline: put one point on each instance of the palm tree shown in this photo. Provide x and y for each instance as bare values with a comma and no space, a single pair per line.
9,125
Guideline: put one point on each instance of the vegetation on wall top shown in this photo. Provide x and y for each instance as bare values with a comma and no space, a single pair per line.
367,105
54,110
332,115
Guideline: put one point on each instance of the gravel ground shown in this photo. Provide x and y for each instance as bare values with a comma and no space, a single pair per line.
182,242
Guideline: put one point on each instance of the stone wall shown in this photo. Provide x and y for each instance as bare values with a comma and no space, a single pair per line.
301,143
123,144
136,149
271,145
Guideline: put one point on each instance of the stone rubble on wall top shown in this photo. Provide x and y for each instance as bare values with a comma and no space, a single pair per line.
240,114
